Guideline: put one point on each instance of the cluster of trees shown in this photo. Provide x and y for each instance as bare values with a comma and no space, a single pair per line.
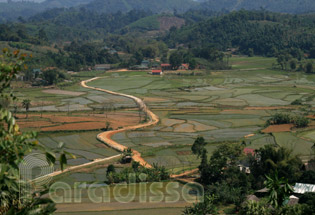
251,32
75,57
213,57
294,60
282,118
84,24
155,174
273,167
156,6
18,33
285,6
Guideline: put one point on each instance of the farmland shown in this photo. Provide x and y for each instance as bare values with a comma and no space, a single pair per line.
222,106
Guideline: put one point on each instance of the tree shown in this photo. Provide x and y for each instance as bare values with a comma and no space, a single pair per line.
224,157
293,64
279,190
198,146
110,169
203,208
309,68
281,61
26,103
250,52
42,35
50,76
176,60
308,177
15,197
312,53
254,208
192,64
271,160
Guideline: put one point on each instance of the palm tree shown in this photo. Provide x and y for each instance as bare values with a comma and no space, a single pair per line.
279,190
26,104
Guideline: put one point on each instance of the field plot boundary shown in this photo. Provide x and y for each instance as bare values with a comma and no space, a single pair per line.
105,137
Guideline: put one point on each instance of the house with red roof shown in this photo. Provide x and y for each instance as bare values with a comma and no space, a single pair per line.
166,66
184,66
248,151
157,72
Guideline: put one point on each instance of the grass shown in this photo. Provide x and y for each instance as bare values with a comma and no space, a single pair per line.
299,146
82,144
152,211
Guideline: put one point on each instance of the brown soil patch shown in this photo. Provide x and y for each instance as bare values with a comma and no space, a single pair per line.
76,126
150,99
278,128
183,152
311,116
63,92
167,22
70,123
269,108
189,172
37,124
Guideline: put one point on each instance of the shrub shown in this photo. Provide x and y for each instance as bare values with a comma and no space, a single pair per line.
280,118
297,102
254,208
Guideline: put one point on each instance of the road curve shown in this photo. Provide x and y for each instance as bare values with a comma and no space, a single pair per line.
105,137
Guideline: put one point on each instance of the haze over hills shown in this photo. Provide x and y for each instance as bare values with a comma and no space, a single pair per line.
158,6
285,6
14,9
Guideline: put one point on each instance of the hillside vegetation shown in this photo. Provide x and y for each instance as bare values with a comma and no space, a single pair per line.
260,32
285,6
15,9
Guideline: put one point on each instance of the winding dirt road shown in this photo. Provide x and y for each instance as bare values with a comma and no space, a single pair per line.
105,137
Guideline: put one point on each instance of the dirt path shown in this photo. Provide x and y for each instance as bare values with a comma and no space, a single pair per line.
189,172
105,137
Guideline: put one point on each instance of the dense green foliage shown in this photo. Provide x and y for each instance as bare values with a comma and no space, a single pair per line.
271,166
203,208
274,159
262,32
279,190
14,10
286,6
15,195
280,118
23,9
72,24
156,6
138,173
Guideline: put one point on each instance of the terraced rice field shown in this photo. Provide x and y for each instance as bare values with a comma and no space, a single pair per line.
222,106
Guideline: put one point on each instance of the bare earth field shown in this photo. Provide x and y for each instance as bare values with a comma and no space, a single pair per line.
61,122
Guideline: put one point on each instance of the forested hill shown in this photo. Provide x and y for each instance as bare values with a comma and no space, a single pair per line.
260,32
156,6
15,9
284,6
